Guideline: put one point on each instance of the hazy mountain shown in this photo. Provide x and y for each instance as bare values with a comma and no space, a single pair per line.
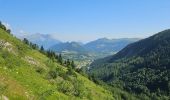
142,67
109,45
68,46
45,40
102,45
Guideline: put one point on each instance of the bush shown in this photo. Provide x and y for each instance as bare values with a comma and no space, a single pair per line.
52,74
66,87
39,70
60,71
71,72
3,87
78,88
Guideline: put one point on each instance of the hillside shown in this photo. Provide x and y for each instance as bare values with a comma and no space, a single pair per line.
142,67
25,73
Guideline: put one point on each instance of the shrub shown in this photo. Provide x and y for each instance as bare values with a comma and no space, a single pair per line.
71,72
39,70
66,87
52,74
3,87
78,88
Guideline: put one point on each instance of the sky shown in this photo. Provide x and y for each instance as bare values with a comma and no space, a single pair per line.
86,20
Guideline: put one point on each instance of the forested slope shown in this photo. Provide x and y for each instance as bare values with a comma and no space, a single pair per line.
142,67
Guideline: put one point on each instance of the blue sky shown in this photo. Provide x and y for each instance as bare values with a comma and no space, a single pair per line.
84,20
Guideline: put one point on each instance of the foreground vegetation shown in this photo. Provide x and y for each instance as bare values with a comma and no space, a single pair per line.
26,73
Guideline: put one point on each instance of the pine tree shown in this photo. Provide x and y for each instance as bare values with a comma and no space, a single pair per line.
26,41
68,63
42,50
73,64
8,31
34,46
56,57
60,59
2,26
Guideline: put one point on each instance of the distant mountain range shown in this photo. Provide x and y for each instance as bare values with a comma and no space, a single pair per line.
109,45
100,45
83,54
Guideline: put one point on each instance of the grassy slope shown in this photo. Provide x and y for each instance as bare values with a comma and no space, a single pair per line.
19,79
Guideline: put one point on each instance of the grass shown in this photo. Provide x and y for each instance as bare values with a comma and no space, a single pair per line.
19,79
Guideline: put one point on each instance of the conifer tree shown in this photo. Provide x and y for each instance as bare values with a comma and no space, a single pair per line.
73,64
42,50
60,59
26,41
68,63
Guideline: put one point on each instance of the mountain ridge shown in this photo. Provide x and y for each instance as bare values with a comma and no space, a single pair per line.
141,67
84,54
109,45
99,45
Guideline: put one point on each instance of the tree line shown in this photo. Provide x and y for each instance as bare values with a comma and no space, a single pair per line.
51,54
4,28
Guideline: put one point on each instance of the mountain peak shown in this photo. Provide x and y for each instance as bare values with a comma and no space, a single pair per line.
104,38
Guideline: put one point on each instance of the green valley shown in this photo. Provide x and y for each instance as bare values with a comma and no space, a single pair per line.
85,54
85,50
